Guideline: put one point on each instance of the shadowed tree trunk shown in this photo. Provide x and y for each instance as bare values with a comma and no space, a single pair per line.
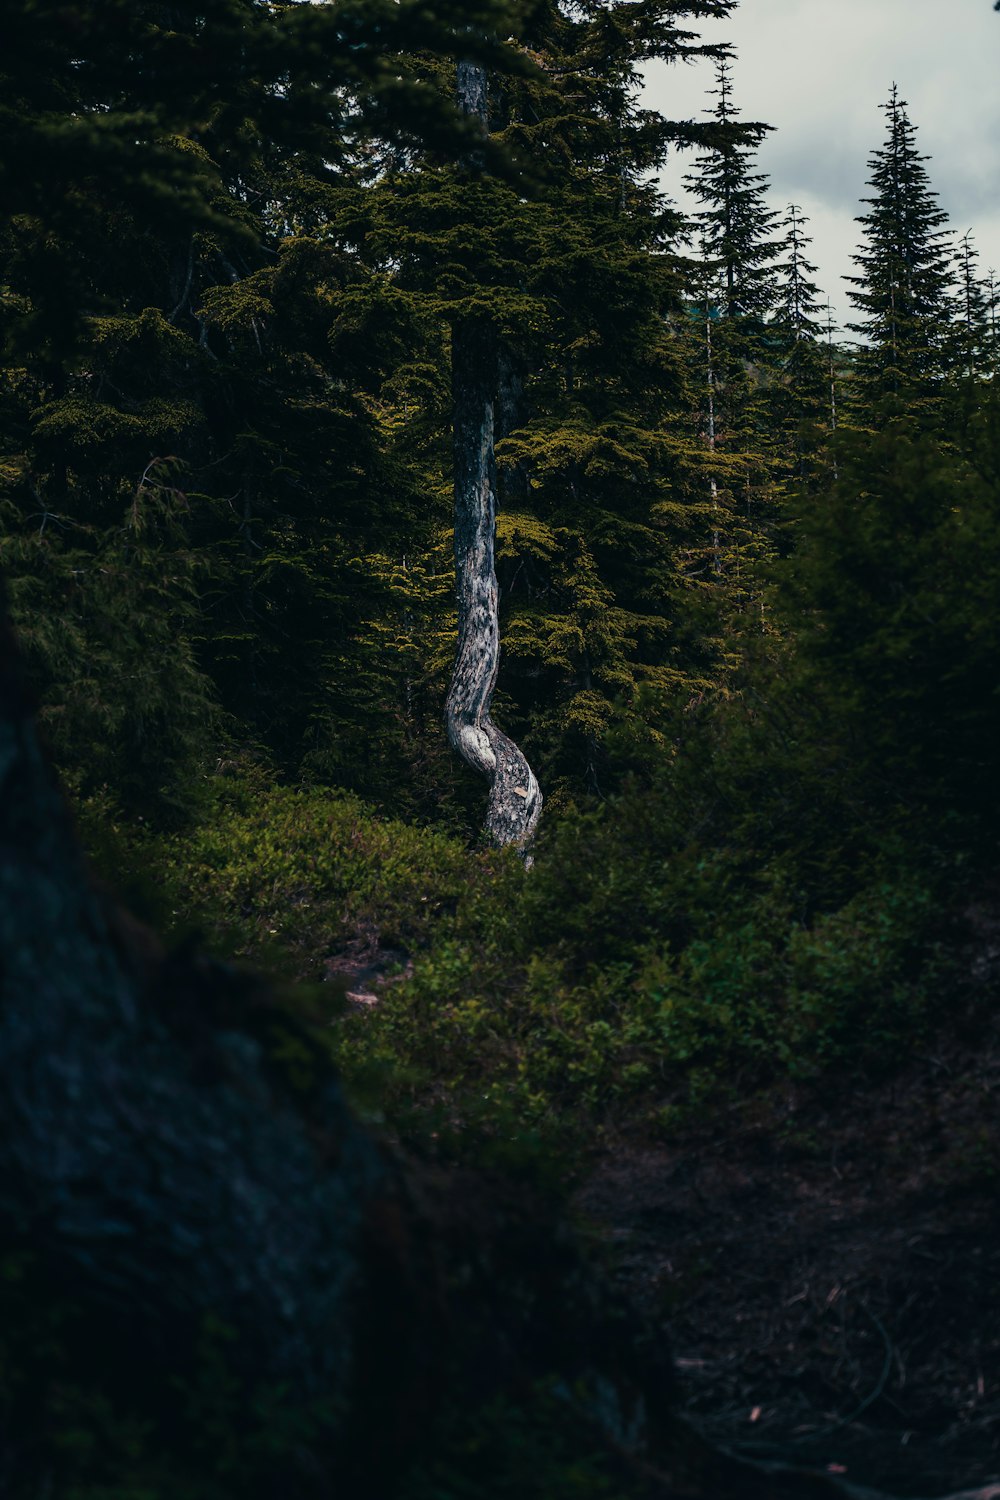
515,802
147,1152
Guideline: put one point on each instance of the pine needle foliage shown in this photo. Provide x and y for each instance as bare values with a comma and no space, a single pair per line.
801,405
735,224
905,280
568,263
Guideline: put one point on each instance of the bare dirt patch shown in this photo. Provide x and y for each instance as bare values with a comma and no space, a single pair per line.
830,1270
361,972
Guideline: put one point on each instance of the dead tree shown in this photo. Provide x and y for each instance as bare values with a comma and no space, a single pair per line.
515,801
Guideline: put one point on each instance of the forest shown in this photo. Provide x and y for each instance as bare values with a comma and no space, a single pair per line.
499,812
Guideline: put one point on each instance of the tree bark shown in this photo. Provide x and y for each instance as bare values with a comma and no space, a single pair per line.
515,801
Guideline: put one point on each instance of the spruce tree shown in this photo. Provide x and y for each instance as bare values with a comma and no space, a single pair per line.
904,283
735,225
800,380
732,287
974,314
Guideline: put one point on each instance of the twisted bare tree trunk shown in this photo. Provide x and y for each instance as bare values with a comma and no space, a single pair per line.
515,802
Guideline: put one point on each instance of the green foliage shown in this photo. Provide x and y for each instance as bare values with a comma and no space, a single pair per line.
287,876
632,971
896,587
904,281
755,666
225,418
170,284
539,1450
102,619
603,1031
803,392
734,222
565,257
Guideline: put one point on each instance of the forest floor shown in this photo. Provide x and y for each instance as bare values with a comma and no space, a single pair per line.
829,1268
825,1260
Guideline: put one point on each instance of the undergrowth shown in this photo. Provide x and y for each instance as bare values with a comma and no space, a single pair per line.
630,976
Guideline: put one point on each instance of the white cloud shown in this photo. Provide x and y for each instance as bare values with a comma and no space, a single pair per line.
818,70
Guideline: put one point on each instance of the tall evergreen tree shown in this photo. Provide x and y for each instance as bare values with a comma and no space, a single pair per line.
732,288
904,282
797,304
973,314
735,225
190,449
800,365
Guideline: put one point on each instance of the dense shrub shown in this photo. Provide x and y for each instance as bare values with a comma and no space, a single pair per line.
633,973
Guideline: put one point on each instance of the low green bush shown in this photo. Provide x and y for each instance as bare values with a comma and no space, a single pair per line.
759,999
631,976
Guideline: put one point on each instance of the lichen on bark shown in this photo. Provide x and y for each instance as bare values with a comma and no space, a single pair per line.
515,801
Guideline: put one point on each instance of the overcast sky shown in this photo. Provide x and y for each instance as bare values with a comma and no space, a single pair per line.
818,70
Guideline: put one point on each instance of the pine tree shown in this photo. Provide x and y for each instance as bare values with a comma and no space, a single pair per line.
904,284
974,315
732,287
735,225
800,393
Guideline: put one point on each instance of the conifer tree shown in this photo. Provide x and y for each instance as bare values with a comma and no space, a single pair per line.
800,365
733,287
189,445
904,283
797,305
735,225
973,314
